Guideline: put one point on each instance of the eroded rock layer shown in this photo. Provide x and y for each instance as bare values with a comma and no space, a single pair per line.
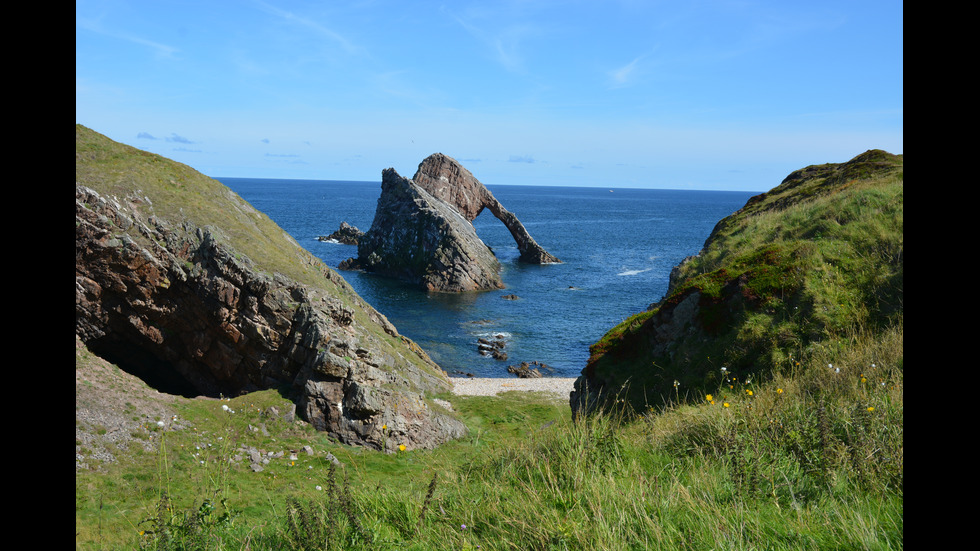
181,304
445,179
420,239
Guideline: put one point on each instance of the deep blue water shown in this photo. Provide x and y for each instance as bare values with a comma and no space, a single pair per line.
617,249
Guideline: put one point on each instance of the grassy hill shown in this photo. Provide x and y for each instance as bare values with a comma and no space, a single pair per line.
810,267
797,444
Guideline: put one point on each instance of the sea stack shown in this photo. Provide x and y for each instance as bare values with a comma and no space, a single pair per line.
423,230
445,179
423,240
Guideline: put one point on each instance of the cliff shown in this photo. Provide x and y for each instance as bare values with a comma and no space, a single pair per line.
423,233
180,281
817,259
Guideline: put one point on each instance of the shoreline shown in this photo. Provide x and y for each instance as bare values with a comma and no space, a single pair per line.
491,386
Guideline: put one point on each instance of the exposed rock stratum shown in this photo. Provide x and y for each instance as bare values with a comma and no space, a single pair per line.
180,281
423,232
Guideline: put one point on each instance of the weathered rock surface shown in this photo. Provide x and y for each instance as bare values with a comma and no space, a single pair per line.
423,231
444,178
529,370
420,239
180,302
346,234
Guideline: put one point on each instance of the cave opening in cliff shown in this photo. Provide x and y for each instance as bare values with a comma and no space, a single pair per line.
155,372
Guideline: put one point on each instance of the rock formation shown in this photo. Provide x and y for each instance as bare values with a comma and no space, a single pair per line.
423,230
418,238
444,178
347,235
180,281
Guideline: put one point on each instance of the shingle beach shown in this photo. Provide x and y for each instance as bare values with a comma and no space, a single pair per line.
477,386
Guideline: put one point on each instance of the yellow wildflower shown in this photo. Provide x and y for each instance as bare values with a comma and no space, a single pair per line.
401,447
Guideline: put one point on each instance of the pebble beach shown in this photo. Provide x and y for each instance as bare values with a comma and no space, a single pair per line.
485,386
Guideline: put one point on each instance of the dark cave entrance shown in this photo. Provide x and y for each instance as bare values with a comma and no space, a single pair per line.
157,373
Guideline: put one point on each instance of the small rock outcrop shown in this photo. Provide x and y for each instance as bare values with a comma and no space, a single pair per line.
346,235
529,370
420,239
423,231
444,178
181,282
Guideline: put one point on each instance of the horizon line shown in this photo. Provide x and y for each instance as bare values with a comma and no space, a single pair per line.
218,178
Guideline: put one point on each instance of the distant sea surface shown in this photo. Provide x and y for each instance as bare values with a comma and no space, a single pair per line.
617,247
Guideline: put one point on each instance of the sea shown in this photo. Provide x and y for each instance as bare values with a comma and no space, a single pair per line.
617,247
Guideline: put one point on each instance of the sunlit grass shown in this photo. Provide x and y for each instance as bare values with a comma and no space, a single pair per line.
811,459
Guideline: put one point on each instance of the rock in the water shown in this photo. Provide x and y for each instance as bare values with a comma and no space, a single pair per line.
180,281
444,178
346,235
420,239
423,232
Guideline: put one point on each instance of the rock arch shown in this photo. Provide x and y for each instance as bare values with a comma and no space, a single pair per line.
445,179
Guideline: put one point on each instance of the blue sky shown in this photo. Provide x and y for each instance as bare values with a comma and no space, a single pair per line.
725,94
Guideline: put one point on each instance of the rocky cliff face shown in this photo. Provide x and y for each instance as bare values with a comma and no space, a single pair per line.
445,179
205,296
420,239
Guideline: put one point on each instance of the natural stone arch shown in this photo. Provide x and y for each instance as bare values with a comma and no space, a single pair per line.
447,180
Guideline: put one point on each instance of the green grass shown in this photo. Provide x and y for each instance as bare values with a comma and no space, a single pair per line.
816,259
800,463
797,444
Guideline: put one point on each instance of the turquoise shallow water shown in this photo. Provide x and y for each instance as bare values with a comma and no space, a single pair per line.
617,247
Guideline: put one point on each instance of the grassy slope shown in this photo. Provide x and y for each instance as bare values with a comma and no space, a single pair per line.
177,193
810,459
760,473
812,263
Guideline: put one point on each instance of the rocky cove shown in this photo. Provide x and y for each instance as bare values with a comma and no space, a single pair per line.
167,287
183,284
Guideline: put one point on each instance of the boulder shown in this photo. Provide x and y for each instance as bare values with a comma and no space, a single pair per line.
524,371
346,235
